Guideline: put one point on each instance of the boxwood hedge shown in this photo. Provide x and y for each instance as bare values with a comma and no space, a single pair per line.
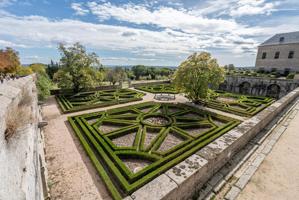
238,104
94,99
159,88
192,128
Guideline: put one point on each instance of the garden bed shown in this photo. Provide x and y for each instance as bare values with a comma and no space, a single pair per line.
159,88
94,99
238,104
140,142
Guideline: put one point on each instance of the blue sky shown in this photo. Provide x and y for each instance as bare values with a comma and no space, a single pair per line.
158,32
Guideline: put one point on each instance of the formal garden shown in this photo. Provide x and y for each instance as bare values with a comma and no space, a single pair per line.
159,88
243,105
132,145
95,99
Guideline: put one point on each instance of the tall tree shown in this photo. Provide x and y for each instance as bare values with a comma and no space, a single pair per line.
78,68
116,74
139,70
195,75
9,60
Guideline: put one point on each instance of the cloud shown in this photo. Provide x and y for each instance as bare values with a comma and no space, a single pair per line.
79,10
5,43
249,7
4,3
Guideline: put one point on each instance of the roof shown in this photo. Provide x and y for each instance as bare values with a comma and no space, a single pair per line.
283,38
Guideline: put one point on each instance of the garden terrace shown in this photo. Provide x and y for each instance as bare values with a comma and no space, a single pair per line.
94,99
159,88
239,104
132,145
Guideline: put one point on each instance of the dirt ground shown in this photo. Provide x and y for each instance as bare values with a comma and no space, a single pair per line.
278,176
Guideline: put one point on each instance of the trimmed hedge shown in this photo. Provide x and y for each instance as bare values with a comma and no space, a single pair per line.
244,105
95,99
107,156
159,88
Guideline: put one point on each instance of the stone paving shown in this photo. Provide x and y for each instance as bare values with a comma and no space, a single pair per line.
266,168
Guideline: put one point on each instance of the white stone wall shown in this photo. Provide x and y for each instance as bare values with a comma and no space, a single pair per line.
282,62
21,156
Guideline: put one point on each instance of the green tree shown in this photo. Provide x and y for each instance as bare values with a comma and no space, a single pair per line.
79,69
38,68
197,74
139,70
116,74
52,68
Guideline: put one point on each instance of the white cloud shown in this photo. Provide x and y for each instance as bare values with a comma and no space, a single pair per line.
79,10
256,7
5,43
4,3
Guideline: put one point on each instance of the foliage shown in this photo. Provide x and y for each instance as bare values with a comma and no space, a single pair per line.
237,104
151,73
78,68
44,85
24,71
139,70
9,60
94,99
38,68
195,75
116,74
109,157
158,88
291,76
51,69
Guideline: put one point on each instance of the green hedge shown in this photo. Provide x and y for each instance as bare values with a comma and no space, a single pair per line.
107,156
95,99
245,105
159,88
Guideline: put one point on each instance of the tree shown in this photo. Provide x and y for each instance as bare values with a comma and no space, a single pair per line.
139,70
52,68
78,68
116,74
231,67
38,68
9,60
197,74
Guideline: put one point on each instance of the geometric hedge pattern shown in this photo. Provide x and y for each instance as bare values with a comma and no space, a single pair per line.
238,104
94,99
132,145
160,88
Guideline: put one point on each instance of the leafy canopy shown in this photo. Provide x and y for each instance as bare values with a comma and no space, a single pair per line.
78,69
197,74
9,60
117,74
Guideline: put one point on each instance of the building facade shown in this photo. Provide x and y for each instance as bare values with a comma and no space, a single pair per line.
279,53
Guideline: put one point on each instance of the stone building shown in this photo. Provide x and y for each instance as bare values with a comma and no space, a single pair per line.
279,53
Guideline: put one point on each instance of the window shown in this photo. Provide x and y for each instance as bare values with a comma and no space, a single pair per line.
291,54
281,39
276,55
264,55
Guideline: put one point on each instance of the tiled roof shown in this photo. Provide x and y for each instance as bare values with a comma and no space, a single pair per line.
288,38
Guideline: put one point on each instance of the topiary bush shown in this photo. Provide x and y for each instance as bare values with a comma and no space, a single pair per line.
128,150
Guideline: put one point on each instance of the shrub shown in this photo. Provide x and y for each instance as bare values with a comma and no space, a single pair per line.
291,76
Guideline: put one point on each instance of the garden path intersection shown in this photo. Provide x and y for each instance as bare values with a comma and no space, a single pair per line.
157,133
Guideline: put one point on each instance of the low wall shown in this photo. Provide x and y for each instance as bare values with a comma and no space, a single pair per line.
21,156
187,178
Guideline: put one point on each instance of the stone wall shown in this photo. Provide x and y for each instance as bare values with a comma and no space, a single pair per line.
283,62
259,86
196,170
21,156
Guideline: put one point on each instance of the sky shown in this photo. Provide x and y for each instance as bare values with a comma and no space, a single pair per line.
158,32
